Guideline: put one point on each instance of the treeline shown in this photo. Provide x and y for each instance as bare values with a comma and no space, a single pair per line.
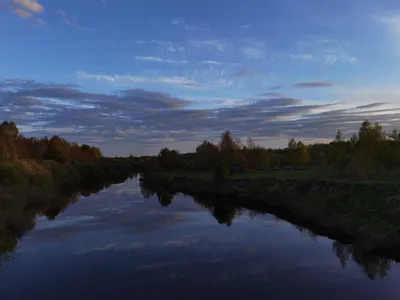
14,145
369,151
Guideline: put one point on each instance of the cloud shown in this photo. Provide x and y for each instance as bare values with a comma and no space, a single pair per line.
30,5
73,24
205,79
272,95
159,60
314,84
253,53
211,62
323,50
245,72
23,13
306,57
180,22
70,20
61,12
218,45
138,121
40,22
275,87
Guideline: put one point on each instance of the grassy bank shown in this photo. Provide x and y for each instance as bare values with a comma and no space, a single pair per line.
29,179
364,212
30,189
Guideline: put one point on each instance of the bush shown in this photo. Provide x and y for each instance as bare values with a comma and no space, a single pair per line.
9,173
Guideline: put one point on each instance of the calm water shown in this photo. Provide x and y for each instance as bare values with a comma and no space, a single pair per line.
119,245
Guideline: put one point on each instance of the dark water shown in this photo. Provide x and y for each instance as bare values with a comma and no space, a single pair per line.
119,245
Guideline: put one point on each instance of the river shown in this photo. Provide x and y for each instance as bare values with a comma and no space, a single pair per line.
118,244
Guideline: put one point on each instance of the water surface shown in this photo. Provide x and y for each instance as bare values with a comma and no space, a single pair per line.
118,244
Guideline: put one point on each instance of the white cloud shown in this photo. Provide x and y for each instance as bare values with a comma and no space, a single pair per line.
177,81
40,22
254,53
210,78
306,57
160,60
180,22
73,24
61,12
218,45
211,62
23,13
111,78
30,5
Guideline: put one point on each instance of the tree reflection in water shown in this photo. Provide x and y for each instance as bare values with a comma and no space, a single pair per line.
373,266
17,218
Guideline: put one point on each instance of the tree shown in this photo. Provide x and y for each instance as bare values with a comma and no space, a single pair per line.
228,149
227,143
394,135
9,129
303,157
292,144
250,143
353,140
206,155
370,133
58,150
169,158
339,136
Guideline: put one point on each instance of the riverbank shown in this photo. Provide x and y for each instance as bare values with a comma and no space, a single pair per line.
29,189
32,179
365,213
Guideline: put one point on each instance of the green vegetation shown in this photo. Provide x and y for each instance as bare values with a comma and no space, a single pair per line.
370,155
347,186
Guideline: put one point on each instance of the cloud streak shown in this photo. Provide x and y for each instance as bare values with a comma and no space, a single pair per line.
153,120
314,84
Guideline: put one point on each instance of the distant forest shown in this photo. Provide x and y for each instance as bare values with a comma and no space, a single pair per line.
370,151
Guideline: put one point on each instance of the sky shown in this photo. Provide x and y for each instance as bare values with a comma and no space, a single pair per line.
134,76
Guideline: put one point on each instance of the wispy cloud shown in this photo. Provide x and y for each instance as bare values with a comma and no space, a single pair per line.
180,22
40,22
61,12
23,13
314,84
253,53
246,72
30,5
204,79
73,24
160,60
211,62
71,20
219,45
174,80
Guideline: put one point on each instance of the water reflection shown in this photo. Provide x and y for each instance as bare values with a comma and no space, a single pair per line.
372,265
17,219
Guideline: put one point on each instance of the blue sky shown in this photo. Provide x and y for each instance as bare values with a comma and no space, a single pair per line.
133,76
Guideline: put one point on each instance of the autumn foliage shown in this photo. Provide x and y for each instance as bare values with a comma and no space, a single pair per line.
13,146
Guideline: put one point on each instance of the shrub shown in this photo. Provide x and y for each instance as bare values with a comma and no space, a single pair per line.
9,173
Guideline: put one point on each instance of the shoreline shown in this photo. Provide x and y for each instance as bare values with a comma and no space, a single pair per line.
366,215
